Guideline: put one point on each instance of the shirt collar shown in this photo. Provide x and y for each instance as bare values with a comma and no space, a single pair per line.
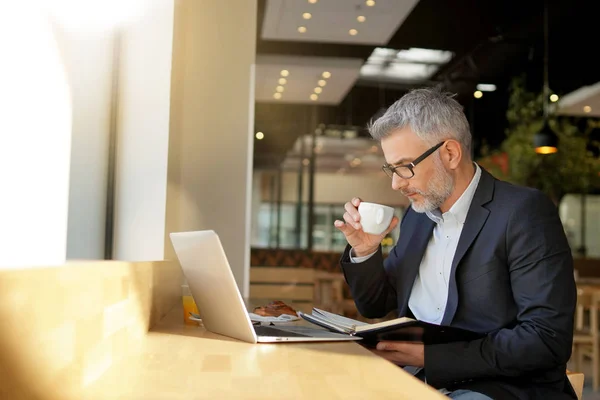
461,207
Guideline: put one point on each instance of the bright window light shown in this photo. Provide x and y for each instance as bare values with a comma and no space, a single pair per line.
35,139
412,65
486,87
404,71
96,15
412,71
425,56
381,54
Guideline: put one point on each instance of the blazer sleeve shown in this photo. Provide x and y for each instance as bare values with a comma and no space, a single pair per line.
543,285
373,282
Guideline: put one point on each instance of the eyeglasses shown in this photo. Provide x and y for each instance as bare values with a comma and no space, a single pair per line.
406,171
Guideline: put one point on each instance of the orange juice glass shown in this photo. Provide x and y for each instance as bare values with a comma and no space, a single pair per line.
189,305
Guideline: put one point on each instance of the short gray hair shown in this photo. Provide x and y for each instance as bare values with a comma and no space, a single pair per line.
432,115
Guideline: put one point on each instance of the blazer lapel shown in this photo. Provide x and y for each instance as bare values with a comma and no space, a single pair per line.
475,220
415,250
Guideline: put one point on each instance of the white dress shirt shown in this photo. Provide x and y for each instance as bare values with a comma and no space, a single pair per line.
430,290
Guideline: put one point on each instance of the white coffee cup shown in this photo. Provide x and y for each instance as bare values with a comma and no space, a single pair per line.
375,218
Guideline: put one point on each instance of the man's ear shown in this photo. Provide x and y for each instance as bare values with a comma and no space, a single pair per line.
451,154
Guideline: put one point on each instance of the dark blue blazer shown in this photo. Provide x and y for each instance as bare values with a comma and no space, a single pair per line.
511,279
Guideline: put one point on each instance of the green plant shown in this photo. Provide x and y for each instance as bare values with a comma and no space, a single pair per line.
573,169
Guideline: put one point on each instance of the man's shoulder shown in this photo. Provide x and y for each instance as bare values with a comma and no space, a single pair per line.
516,196
507,189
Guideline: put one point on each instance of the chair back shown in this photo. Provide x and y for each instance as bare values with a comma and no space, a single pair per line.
576,379
292,285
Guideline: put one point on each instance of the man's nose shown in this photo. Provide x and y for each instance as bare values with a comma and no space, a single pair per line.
398,182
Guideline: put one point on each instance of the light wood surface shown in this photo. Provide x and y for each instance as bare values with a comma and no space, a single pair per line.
586,338
177,361
115,330
63,327
576,379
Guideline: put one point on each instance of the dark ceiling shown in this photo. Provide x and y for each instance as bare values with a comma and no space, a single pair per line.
494,41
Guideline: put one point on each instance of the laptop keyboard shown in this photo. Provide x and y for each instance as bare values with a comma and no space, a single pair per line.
270,331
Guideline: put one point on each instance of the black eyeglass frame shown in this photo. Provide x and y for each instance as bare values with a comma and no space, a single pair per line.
390,170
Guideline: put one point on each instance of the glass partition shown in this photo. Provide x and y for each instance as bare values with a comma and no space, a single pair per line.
325,236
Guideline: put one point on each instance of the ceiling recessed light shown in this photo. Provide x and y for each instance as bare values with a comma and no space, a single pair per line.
307,15
587,109
353,32
277,95
282,81
285,72
361,18
554,98
326,74
301,29
318,90
312,1
322,82
478,94
260,135
370,3
314,97
279,89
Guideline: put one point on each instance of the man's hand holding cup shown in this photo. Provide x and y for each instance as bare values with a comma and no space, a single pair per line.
365,225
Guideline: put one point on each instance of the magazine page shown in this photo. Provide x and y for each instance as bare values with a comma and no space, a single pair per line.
319,320
379,325
338,319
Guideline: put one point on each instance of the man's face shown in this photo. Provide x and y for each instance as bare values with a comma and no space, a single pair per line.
432,183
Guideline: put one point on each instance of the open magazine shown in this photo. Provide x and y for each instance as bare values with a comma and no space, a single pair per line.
402,329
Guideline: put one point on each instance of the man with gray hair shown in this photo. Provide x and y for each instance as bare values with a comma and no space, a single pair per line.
474,253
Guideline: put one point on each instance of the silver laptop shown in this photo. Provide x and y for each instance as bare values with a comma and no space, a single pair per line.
218,298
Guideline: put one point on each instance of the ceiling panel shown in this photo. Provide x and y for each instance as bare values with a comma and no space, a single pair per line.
332,20
493,42
302,78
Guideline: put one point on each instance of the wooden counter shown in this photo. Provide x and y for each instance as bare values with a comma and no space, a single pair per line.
176,361
113,330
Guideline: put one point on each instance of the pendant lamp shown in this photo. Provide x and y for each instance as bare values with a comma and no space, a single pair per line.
545,141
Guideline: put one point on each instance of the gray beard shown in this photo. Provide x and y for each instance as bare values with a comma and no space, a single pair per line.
439,189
